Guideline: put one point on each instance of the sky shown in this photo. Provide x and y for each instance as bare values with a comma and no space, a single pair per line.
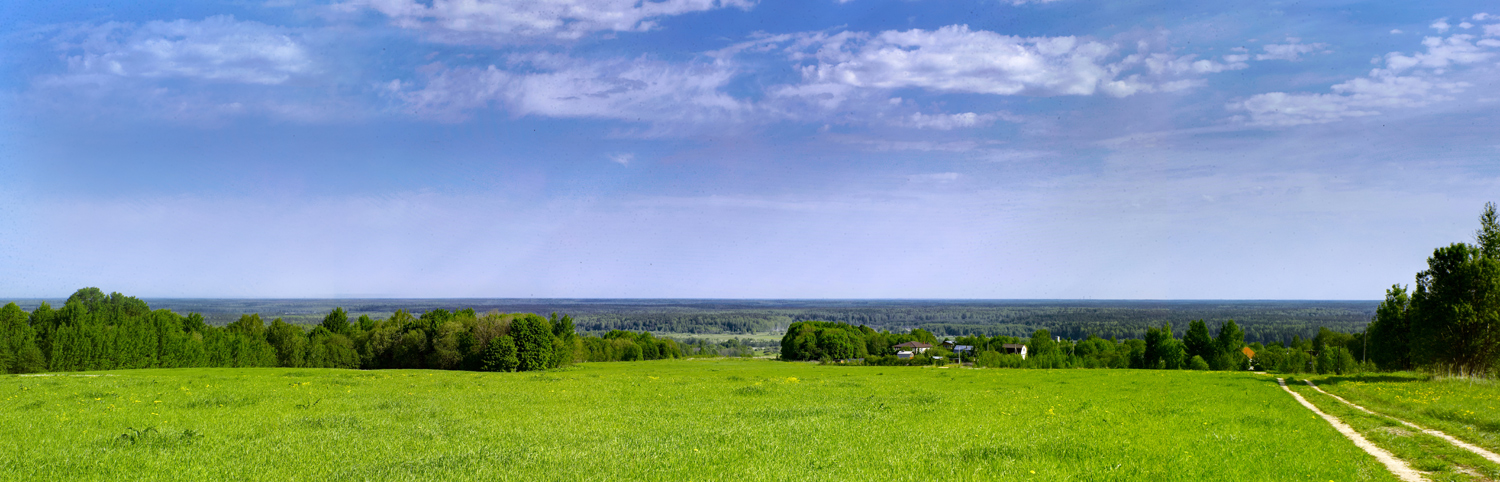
1050,149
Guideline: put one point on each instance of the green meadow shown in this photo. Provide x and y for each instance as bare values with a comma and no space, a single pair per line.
1462,407
699,419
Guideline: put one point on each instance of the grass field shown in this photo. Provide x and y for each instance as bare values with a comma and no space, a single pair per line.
1462,408
719,419
1440,460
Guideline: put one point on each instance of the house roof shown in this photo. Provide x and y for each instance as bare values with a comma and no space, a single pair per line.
1248,352
1013,345
963,347
913,344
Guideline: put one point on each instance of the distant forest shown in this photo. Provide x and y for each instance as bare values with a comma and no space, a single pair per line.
1262,321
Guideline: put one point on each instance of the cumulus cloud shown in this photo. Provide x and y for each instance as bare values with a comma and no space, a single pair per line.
640,89
846,70
1404,81
956,59
1441,25
215,49
1292,50
484,21
845,77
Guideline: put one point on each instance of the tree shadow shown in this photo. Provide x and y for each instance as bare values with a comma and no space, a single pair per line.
1368,378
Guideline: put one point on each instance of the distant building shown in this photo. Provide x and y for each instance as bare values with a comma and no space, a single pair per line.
913,346
962,348
1248,352
903,354
1015,349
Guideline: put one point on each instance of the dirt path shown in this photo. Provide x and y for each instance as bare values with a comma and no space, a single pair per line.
1461,444
1395,465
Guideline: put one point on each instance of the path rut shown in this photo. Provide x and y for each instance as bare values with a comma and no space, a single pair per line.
1393,464
1459,443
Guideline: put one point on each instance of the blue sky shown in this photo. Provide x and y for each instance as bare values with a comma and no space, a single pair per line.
741,148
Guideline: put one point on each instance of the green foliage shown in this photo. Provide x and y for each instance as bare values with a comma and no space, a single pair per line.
1390,331
1162,350
94,331
1336,360
824,340
500,355
533,335
1041,344
1488,235
18,343
1197,342
1197,363
1456,311
337,321
1451,323
1231,338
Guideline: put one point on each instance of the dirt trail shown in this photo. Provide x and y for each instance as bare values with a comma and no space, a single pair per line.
1395,465
1461,444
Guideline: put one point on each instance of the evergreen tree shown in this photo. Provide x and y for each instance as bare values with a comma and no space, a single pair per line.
337,321
1488,235
1390,331
1197,341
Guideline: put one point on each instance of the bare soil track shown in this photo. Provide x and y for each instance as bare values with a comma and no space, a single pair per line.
1395,465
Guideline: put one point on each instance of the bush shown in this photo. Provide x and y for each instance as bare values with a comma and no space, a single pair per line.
1197,363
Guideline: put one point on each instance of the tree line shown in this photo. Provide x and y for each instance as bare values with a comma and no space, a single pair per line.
1199,349
1450,323
94,331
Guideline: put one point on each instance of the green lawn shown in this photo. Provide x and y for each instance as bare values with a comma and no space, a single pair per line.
1462,408
719,419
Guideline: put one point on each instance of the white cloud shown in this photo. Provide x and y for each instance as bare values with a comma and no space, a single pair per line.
1492,30
1441,25
641,89
947,121
1396,31
1291,51
1441,53
622,159
955,59
482,21
217,48
1405,81
1168,64
1483,16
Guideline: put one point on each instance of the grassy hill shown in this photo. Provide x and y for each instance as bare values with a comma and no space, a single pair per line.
717,419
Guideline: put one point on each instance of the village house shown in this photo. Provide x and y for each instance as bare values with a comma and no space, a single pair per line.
912,346
1015,349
